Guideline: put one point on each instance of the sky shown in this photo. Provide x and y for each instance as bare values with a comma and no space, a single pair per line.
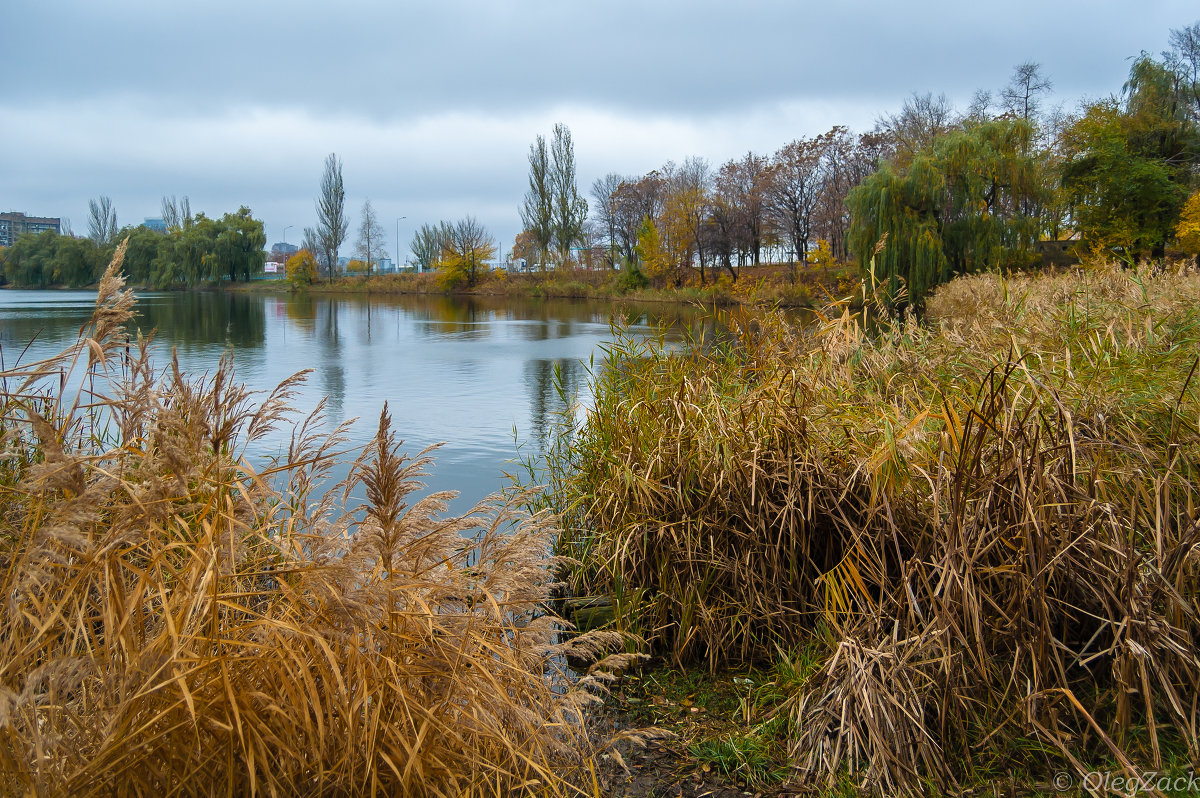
432,106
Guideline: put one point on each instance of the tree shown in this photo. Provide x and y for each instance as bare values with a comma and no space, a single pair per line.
569,209
466,248
537,209
1022,96
604,190
741,189
1187,232
955,210
427,244
312,243
102,221
301,269
331,212
239,245
921,120
370,237
793,191
176,214
1128,170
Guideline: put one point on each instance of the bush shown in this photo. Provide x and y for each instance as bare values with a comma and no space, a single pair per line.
631,278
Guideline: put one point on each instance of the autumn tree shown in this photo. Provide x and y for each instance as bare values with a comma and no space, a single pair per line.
466,248
1129,166
604,205
102,221
538,206
793,189
1187,231
331,212
686,209
569,209
371,236
301,269
741,192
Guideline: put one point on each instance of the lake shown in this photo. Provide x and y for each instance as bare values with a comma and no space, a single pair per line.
476,373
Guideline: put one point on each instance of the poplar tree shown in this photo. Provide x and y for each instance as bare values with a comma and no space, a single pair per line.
569,209
331,212
537,210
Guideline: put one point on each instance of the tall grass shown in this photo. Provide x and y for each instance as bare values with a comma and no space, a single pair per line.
173,621
989,522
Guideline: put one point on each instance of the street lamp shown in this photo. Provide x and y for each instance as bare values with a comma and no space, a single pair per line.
286,227
397,253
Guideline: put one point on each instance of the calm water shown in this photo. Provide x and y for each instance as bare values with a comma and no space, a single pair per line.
469,372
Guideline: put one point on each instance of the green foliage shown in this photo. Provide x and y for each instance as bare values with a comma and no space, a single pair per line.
1130,169
630,278
965,207
198,250
47,258
1123,193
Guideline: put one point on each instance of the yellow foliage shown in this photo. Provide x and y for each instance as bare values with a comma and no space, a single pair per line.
1187,232
301,268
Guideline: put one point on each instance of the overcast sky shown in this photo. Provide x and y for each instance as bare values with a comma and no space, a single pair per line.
432,105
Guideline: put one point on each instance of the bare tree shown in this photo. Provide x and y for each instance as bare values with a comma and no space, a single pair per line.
312,243
921,119
793,191
1022,96
1184,60
102,221
371,237
331,212
604,191
176,214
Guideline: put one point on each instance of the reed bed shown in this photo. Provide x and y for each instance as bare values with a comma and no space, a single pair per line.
174,622
987,524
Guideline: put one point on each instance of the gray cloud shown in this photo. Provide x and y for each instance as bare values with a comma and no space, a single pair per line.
432,105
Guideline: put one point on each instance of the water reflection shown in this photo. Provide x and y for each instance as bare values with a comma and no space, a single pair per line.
464,371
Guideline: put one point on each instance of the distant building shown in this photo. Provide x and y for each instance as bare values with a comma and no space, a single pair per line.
13,224
157,225
285,249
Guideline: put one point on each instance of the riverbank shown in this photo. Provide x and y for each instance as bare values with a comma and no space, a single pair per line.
756,285
918,559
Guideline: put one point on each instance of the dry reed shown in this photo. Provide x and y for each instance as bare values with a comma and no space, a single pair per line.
174,622
992,519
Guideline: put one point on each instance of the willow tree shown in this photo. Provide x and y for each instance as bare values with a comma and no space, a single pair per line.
957,209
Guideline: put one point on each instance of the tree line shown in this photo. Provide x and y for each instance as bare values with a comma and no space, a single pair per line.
928,194
194,249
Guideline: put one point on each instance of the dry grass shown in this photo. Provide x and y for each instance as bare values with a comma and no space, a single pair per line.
991,522
174,622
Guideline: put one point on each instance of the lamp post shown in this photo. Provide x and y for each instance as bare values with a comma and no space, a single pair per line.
286,227
397,253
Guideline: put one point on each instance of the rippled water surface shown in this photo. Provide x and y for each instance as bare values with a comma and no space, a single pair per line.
460,370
